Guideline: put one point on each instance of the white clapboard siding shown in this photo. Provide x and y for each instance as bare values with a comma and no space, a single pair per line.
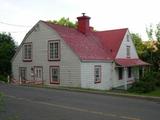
87,75
69,61
122,50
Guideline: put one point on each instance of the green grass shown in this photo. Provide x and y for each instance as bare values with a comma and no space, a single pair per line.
155,93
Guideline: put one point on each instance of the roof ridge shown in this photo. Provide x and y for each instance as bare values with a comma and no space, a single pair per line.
113,30
67,27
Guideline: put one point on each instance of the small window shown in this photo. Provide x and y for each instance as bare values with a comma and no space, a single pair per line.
128,51
129,72
27,52
120,73
54,74
97,73
127,38
54,47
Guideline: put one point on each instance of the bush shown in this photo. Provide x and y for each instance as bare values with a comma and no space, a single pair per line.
3,78
158,79
148,83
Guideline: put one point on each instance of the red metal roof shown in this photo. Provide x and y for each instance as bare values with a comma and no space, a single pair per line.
86,46
112,39
130,62
101,45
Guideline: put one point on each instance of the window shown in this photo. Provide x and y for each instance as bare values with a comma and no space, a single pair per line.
127,38
54,74
22,73
128,51
54,46
129,72
120,73
97,73
27,52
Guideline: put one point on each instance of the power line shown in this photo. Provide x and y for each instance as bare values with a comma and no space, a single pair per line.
15,25
12,31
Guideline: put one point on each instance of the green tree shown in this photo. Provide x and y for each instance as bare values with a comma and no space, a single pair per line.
64,22
157,32
7,50
137,40
149,32
154,46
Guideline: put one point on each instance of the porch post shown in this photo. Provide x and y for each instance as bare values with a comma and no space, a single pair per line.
125,78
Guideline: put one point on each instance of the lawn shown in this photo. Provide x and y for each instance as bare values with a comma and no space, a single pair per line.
154,93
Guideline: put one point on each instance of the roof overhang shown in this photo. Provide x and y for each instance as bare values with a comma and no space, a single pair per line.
131,62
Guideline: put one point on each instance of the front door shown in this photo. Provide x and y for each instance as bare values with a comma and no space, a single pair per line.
22,74
38,71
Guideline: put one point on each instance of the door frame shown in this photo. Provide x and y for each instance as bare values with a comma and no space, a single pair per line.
35,73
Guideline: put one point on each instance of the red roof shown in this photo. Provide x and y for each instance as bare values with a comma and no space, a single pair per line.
101,45
130,62
112,39
86,46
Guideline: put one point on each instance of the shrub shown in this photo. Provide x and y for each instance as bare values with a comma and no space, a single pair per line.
157,79
148,83
3,78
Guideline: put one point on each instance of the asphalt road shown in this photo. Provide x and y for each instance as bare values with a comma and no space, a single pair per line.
27,103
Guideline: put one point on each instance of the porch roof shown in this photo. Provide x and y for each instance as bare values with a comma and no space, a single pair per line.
130,62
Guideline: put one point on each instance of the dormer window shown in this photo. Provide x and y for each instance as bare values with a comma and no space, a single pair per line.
127,38
27,52
54,50
128,51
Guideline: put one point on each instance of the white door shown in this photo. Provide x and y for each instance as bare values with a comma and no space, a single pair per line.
38,71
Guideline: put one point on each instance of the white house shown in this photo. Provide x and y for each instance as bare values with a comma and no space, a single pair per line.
61,56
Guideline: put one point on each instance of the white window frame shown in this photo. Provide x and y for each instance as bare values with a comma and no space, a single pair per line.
27,51
54,81
128,51
22,73
54,52
128,38
97,74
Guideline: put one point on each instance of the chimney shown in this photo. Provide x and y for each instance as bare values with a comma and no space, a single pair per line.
83,23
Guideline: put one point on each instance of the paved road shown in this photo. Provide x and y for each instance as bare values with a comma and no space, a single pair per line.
26,103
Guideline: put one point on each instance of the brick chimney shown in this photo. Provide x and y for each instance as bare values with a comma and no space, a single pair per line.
83,23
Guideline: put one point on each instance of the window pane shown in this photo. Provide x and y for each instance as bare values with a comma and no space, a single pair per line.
27,51
97,73
54,50
54,74
128,51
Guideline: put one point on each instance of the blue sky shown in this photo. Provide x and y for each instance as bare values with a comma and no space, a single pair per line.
105,14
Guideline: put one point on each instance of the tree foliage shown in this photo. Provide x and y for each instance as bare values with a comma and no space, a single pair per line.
149,32
7,50
64,22
148,83
153,46
137,40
